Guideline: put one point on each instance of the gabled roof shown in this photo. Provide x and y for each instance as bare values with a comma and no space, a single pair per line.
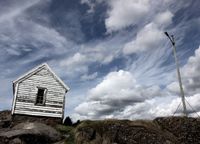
37,69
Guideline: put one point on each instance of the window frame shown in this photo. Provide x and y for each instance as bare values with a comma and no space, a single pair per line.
44,96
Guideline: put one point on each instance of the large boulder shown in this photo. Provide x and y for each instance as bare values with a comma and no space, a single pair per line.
163,130
122,132
30,133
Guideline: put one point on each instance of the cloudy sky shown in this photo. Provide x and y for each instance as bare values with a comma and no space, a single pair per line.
113,54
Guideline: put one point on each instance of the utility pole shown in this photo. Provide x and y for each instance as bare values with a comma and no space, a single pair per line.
172,40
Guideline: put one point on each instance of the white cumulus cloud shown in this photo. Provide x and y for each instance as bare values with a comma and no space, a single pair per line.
125,12
164,18
117,91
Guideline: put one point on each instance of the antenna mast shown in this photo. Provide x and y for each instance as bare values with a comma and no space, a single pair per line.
172,40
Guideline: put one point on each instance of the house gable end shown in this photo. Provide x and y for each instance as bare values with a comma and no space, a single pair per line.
27,99
37,70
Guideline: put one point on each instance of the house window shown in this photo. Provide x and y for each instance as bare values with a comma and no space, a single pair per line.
41,94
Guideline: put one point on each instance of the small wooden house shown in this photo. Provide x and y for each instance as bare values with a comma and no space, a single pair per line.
39,93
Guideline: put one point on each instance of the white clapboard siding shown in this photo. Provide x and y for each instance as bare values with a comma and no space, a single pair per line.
27,93
33,82
52,110
30,88
38,113
48,83
28,105
54,105
44,79
34,97
54,99
40,83
49,97
50,94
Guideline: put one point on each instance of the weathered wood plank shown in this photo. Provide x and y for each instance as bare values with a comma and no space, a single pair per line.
32,100
51,110
50,90
37,113
54,97
54,102
21,105
56,106
50,94
44,78
26,100
38,110
23,92
49,86
20,97
43,72
48,103
31,82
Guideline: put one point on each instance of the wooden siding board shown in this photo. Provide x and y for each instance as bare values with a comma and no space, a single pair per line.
33,87
49,96
39,110
38,113
34,82
54,104
52,110
49,103
31,105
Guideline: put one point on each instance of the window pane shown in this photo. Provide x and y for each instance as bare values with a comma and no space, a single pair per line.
41,92
40,96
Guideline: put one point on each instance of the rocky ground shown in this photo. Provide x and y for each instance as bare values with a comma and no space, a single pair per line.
166,130
31,132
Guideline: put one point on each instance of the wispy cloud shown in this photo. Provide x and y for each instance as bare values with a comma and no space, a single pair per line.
122,72
150,67
14,10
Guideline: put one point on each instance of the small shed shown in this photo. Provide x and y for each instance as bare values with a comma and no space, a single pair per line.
39,92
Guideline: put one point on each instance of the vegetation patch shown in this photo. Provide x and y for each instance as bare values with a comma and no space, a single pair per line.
68,133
